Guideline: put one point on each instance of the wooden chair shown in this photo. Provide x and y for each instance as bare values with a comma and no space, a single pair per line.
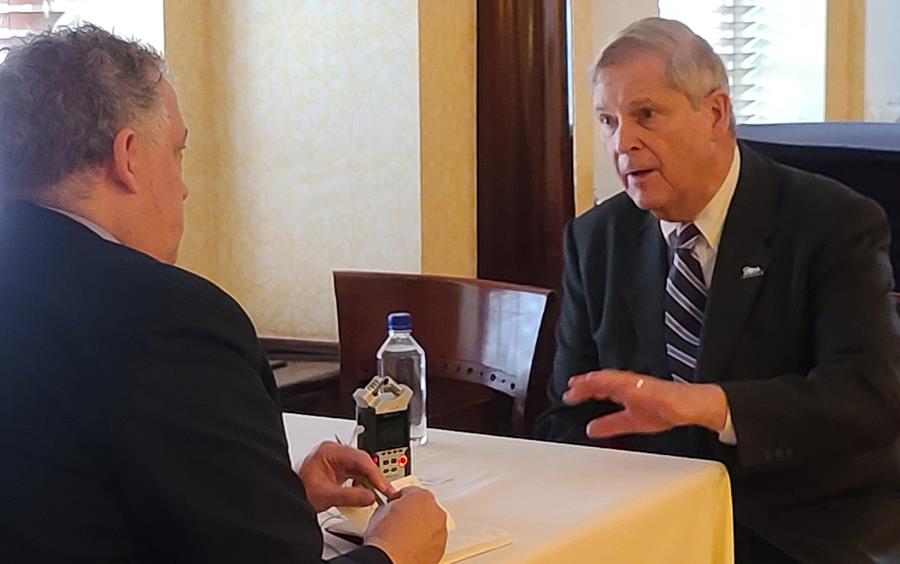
488,345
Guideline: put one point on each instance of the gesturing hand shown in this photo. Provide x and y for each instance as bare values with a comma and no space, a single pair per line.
330,465
650,405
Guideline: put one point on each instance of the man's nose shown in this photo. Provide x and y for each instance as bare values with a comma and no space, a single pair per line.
625,139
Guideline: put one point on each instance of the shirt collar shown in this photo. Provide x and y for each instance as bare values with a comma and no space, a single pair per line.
87,223
711,219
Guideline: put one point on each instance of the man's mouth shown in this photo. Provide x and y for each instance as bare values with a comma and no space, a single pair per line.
638,173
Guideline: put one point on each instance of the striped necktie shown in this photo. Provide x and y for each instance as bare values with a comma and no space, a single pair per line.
686,295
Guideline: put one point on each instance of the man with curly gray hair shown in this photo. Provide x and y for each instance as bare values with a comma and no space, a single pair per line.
139,419
75,103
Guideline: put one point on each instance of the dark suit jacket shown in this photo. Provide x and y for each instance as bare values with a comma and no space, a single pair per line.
139,419
808,354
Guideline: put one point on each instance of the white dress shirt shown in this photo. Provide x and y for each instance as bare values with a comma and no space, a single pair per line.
710,222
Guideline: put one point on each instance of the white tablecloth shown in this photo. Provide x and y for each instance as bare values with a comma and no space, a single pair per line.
564,503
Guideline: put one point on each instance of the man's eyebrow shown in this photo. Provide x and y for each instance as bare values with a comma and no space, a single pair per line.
640,102
636,103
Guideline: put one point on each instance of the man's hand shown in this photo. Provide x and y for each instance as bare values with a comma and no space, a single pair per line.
410,529
651,405
330,465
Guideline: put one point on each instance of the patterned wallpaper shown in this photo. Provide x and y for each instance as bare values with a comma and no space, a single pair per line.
304,157
447,86
189,64
592,28
584,132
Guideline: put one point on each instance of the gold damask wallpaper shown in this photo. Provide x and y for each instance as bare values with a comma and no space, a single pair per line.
304,148
447,106
188,60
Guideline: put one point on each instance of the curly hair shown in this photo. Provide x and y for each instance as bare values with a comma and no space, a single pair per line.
64,95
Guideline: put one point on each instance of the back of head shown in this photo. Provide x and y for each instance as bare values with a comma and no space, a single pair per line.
64,95
692,67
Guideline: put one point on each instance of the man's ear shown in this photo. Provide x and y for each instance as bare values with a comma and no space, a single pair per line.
124,161
719,106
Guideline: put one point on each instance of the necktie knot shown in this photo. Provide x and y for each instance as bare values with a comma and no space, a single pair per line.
686,238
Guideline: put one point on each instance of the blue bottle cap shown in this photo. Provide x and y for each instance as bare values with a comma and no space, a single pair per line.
399,321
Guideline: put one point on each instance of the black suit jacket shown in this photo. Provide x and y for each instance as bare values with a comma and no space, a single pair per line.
808,354
139,419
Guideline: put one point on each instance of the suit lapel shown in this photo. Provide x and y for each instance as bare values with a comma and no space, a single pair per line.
644,282
741,265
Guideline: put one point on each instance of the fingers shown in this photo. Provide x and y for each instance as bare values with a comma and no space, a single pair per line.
408,492
355,496
613,425
329,465
357,464
421,496
411,529
599,385
348,462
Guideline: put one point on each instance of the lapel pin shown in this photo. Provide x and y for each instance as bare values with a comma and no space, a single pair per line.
751,272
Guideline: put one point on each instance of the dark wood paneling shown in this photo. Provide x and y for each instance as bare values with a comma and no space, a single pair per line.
306,373
525,189
312,350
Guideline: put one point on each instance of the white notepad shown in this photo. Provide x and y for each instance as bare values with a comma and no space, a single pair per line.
358,517
466,541
463,541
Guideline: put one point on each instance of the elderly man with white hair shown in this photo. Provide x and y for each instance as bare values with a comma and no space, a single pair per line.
731,308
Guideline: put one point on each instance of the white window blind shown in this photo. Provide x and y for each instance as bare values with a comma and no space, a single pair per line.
137,19
774,52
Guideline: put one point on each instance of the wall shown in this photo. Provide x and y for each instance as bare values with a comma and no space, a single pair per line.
845,60
582,42
594,23
304,157
189,62
448,130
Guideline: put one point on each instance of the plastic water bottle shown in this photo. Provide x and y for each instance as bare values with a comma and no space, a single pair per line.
401,358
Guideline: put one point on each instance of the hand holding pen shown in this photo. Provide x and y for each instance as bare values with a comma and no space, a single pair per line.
328,466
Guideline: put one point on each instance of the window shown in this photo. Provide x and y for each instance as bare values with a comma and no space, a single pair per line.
774,52
882,61
138,19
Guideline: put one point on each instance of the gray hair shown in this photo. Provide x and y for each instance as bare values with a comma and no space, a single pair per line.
692,67
64,96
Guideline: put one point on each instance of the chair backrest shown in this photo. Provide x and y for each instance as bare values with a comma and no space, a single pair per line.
488,345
